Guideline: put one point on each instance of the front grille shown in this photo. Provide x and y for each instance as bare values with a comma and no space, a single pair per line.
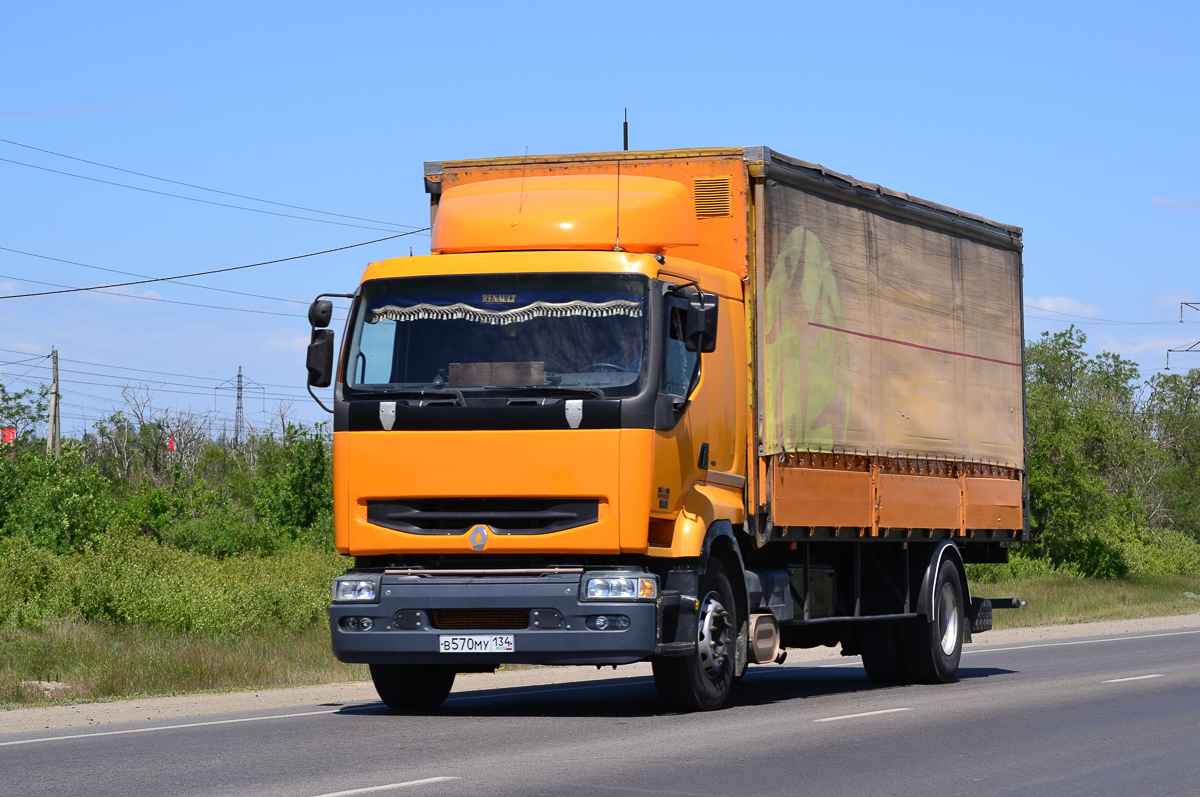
452,516
480,618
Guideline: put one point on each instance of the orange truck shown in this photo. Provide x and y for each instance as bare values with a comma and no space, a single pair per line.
693,407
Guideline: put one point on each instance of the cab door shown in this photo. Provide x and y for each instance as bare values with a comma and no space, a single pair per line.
682,416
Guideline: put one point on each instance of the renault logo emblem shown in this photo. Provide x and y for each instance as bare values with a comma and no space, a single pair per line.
479,537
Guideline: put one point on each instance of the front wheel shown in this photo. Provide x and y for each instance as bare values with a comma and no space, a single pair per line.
933,647
412,687
701,681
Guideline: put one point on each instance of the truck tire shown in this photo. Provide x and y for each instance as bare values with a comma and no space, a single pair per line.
412,687
701,681
933,646
883,653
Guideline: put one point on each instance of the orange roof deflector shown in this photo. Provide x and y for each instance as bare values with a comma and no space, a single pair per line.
565,212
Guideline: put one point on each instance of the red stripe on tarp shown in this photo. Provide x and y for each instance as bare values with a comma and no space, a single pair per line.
913,345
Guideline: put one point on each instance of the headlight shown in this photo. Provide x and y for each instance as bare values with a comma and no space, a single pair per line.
620,588
356,590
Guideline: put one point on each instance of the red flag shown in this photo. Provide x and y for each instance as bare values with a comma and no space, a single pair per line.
170,442
8,435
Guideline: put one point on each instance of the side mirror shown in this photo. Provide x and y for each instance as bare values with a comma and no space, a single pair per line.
319,313
320,357
700,335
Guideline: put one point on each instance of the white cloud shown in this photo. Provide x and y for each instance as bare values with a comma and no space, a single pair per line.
32,348
1061,304
287,344
1174,204
1170,300
9,287
1149,351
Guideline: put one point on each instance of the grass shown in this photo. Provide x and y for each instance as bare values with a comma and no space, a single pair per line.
1057,598
101,661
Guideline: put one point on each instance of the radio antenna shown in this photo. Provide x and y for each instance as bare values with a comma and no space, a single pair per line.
521,198
617,248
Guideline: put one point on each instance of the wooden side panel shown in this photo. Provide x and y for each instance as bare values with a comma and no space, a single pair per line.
993,504
917,502
809,497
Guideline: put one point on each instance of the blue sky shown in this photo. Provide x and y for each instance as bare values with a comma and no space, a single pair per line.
1076,121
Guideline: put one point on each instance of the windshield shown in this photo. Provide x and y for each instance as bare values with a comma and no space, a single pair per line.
547,331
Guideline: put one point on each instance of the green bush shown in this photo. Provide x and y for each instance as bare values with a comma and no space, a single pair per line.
58,503
1020,566
1114,471
132,580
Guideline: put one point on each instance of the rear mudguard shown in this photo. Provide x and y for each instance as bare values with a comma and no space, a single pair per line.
945,554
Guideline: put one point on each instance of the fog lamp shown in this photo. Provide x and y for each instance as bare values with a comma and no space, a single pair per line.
608,622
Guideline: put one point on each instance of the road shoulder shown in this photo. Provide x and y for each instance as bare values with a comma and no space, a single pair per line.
333,696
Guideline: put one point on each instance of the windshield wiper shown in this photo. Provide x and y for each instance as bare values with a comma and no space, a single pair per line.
454,394
595,392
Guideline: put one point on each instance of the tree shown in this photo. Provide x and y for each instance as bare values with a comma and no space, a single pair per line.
1092,463
24,411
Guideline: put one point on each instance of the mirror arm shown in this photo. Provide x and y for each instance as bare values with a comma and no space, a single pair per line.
320,403
680,405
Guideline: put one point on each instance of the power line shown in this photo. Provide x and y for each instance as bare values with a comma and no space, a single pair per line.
211,271
199,187
1093,318
157,298
118,354
135,274
146,370
195,199
153,386
117,380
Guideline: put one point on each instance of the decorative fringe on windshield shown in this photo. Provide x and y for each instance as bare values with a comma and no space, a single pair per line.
465,312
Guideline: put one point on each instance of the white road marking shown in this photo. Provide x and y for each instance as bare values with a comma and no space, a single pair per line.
862,714
403,785
1134,678
175,727
1078,642
985,649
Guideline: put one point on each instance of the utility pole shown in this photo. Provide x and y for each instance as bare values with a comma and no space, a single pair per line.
1192,348
239,420
54,424
240,384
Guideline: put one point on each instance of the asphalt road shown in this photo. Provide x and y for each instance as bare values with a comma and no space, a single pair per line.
1110,716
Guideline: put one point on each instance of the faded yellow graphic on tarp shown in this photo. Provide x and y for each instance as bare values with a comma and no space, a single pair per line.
806,369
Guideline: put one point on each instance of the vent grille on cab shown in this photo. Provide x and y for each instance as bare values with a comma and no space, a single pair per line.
712,197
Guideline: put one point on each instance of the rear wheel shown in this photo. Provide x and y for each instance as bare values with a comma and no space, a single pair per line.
933,647
412,687
701,681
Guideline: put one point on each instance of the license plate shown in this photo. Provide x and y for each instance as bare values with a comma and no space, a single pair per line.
476,643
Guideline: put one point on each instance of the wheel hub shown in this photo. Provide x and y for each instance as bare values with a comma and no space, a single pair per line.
948,619
713,633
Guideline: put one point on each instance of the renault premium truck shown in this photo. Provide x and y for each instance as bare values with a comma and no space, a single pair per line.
692,407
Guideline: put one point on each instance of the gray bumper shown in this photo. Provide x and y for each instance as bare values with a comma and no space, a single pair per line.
571,643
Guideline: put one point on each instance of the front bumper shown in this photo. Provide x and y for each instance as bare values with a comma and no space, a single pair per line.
570,643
